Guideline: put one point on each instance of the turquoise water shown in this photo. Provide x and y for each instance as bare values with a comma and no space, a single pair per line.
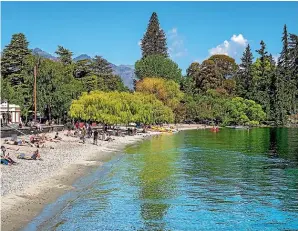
193,180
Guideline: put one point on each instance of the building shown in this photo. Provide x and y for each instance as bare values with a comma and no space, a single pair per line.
14,112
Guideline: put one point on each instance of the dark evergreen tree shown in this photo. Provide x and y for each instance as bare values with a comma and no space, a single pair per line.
293,49
154,40
285,73
101,66
244,77
262,95
65,55
82,68
13,58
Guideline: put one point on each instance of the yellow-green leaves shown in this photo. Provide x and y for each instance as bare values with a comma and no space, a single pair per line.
120,108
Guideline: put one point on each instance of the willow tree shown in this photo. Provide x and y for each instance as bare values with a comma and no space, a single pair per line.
120,108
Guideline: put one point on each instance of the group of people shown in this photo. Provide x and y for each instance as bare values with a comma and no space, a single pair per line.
37,141
7,160
86,131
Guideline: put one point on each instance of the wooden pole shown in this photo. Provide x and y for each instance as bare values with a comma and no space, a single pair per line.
35,93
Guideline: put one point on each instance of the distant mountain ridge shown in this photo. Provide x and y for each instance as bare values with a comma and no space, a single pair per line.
40,52
126,72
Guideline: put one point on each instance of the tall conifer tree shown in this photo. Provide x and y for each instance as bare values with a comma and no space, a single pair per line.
154,40
244,77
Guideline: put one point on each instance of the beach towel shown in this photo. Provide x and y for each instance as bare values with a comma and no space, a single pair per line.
4,161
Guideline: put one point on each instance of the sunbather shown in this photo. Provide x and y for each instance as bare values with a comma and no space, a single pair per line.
34,156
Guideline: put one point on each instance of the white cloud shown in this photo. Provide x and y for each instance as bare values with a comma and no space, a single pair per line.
234,47
139,43
239,39
175,44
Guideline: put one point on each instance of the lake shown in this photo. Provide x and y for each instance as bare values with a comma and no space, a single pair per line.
191,180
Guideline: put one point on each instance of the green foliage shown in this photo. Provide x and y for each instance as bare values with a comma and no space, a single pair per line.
64,55
13,58
157,65
154,40
166,91
226,110
101,66
244,77
215,72
120,108
225,65
82,68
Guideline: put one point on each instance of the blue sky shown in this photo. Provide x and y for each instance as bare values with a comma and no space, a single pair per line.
195,30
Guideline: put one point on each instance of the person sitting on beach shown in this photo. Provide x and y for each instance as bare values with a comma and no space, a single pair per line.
5,159
57,137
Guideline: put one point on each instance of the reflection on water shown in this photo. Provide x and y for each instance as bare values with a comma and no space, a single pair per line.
194,180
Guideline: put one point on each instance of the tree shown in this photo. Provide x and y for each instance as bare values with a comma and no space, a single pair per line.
229,85
157,65
13,58
65,55
154,40
293,49
82,68
225,65
244,78
120,107
193,70
285,74
166,91
101,66
208,76
263,79
192,75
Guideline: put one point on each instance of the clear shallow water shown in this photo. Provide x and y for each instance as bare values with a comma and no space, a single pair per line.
193,180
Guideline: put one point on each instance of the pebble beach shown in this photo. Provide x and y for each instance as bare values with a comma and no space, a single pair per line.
30,185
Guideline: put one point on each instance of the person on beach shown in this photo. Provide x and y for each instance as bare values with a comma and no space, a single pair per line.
89,131
5,159
95,137
57,137
83,134
34,156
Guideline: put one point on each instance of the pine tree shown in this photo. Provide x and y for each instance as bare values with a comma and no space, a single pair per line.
154,40
101,66
285,73
264,81
244,76
293,49
65,55
13,58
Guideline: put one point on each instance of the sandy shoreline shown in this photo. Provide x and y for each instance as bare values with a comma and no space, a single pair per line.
28,187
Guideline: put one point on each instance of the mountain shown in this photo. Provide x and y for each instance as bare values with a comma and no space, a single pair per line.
39,52
81,57
126,72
